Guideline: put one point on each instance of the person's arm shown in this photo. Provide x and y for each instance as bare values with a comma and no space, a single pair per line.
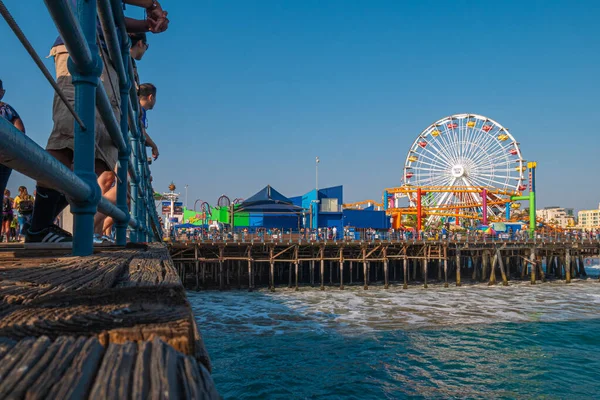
140,3
18,123
137,25
150,143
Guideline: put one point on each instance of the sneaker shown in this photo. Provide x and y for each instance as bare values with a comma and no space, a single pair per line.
51,237
98,239
108,239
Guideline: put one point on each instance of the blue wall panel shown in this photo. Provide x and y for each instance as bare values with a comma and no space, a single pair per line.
366,219
281,221
332,192
255,220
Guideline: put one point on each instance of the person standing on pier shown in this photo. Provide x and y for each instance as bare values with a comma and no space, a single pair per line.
102,223
7,215
49,202
24,206
9,114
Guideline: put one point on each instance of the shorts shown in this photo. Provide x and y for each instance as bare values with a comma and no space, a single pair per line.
7,217
24,219
62,136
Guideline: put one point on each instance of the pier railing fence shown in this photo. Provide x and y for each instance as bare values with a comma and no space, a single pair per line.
78,28
294,236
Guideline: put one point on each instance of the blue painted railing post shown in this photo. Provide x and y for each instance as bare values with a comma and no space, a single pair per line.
85,81
140,195
123,156
133,184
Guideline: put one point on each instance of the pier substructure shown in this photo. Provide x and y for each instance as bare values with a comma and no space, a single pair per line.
292,263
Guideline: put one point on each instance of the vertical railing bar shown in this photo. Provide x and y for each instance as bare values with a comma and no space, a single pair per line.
85,80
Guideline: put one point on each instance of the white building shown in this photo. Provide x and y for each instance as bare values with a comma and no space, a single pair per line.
589,219
559,216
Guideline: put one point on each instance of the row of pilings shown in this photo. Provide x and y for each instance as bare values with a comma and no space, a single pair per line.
250,265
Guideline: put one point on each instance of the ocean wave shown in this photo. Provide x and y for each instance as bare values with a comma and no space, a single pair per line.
355,311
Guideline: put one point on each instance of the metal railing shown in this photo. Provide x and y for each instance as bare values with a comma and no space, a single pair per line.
78,28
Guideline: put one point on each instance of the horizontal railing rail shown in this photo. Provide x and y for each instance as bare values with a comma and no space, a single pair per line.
78,28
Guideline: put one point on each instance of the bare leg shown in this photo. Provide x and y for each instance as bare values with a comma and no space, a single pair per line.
106,181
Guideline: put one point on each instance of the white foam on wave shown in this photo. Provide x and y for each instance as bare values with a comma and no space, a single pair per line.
356,311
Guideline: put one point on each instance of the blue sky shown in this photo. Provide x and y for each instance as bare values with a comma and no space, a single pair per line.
250,92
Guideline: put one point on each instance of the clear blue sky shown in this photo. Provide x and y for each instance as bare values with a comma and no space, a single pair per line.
250,92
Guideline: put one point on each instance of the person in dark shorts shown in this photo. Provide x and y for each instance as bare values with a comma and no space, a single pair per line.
7,215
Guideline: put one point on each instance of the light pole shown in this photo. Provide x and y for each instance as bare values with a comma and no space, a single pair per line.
186,203
317,175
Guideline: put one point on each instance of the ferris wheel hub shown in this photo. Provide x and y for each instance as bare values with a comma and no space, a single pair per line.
458,171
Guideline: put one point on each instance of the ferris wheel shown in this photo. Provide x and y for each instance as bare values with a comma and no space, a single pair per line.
462,152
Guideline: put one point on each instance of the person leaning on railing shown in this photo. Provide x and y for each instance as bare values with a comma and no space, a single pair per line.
103,223
49,203
9,114
147,96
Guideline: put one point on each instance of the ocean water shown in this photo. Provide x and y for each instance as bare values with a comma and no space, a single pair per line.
475,341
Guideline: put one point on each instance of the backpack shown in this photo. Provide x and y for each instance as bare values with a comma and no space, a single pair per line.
6,208
26,205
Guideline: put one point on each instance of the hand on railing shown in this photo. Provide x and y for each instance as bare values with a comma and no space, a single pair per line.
157,18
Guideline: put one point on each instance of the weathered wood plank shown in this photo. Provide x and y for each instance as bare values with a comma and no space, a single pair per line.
131,306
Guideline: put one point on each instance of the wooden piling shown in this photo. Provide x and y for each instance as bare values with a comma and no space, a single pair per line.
197,262
486,256
221,268
322,269
366,286
540,269
445,266
531,262
458,267
385,269
567,265
341,274
250,276
485,264
405,267
582,271
502,271
351,272
425,262
296,267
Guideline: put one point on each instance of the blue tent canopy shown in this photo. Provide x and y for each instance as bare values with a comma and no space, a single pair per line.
185,226
268,200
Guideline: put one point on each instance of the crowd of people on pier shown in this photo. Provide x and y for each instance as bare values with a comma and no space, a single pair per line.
224,233
34,217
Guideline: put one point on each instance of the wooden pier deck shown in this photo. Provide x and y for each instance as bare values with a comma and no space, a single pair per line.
113,325
291,263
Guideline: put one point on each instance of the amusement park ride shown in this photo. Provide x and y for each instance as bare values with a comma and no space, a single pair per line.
462,167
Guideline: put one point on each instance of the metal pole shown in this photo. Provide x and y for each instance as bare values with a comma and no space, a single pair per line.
186,197
419,211
317,177
123,155
484,206
85,80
